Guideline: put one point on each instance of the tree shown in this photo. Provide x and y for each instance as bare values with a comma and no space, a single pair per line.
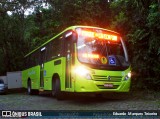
139,22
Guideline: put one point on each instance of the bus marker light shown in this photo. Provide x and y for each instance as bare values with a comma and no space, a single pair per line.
42,49
68,34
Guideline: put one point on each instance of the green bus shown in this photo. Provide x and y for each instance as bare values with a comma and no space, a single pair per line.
82,59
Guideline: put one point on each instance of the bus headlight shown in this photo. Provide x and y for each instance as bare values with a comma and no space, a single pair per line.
88,76
82,71
127,76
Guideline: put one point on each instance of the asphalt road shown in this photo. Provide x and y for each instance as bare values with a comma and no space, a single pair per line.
133,101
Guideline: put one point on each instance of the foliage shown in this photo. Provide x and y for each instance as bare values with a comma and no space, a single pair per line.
139,20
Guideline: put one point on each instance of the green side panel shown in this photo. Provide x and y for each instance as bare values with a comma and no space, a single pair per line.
51,68
32,73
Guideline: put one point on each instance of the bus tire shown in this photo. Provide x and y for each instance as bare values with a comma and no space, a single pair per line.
53,88
56,90
30,91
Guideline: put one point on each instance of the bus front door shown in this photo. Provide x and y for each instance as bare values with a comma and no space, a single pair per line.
68,54
42,59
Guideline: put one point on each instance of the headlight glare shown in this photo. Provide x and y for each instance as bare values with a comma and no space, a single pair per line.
82,71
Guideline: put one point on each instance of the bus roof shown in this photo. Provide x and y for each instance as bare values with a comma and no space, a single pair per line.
69,28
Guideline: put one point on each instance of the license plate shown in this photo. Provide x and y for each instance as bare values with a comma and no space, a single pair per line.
109,85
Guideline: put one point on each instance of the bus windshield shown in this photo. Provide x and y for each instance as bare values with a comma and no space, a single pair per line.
101,49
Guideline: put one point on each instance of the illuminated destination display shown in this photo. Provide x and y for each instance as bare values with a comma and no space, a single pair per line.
99,35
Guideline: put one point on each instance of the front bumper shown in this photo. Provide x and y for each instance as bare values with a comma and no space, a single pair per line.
84,85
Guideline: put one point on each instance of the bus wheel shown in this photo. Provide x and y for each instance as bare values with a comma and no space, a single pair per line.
56,91
29,90
53,88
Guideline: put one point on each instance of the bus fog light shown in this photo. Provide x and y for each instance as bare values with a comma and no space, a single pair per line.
127,76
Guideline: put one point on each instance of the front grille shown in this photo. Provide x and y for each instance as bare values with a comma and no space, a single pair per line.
106,78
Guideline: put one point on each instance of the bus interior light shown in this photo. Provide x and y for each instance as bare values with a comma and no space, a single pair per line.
94,56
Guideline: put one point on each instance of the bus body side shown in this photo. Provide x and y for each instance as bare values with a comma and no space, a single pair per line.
52,66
